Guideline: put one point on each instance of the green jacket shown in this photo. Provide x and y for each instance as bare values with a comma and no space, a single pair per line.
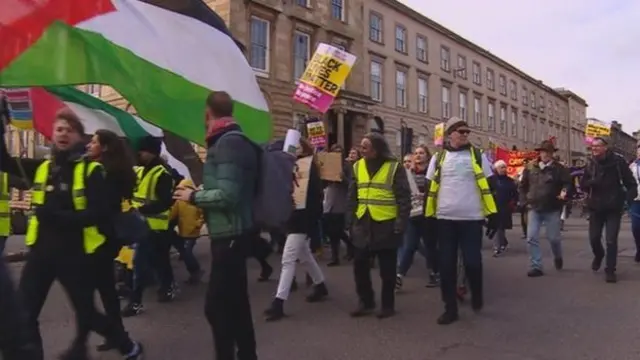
229,181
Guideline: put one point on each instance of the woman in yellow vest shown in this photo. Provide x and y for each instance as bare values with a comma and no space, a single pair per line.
70,205
378,208
109,150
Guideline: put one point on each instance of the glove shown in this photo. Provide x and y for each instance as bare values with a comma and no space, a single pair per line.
492,222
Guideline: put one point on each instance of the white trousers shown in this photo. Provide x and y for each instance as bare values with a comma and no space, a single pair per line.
296,247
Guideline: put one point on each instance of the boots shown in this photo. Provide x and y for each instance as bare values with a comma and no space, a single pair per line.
275,312
319,293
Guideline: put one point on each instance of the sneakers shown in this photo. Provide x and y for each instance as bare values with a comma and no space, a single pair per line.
265,273
535,273
195,278
398,282
385,313
136,353
165,296
434,280
318,294
447,318
558,263
132,309
611,277
596,263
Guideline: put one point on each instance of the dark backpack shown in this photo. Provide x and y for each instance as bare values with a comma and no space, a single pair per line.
273,203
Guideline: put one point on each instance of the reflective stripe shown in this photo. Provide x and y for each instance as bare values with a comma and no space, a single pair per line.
146,193
92,238
5,209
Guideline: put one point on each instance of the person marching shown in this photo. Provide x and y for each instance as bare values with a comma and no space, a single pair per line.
153,199
378,209
460,199
68,228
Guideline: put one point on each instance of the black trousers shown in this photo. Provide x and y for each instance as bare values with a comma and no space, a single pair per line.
465,237
75,274
106,285
14,341
430,241
334,228
387,261
227,305
523,221
157,256
610,222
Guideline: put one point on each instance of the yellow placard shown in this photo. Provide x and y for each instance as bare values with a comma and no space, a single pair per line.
326,73
595,129
438,135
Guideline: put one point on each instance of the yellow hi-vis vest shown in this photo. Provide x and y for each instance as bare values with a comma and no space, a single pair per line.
146,192
5,210
488,203
376,194
93,239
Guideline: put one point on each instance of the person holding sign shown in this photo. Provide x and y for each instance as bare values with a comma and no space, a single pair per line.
378,209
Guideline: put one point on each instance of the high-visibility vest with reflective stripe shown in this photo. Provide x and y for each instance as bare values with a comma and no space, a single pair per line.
92,238
488,203
376,194
5,210
146,192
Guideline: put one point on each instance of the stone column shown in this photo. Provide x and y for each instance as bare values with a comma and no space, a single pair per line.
340,128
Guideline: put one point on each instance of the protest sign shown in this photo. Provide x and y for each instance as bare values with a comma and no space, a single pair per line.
417,198
303,167
316,134
330,164
438,135
596,128
292,141
514,159
324,76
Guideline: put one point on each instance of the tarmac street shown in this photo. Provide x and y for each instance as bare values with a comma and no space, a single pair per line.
567,315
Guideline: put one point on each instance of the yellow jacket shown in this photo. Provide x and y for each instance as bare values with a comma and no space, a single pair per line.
189,217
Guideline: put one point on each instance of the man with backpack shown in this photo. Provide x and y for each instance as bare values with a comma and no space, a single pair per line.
609,184
231,172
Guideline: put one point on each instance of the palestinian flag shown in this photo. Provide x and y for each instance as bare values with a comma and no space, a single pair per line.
163,62
97,114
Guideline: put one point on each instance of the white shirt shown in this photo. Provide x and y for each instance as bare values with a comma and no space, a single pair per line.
635,170
458,197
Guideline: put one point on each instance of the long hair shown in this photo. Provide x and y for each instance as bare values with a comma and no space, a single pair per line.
426,151
117,162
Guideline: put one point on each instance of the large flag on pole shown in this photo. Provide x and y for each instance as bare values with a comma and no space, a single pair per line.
96,114
164,63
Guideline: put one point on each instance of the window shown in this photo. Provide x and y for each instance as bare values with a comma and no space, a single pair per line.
525,135
513,90
525,96
301,53
401,88
423,95
422,48
375,27
445,58
477,112
462,106
462,66
446,103
401,39
541,103
533,100
337,9
491,80
376,81
259,51
491,115
477,73
514,123
503,85
503,119
533,130
550,108
304,3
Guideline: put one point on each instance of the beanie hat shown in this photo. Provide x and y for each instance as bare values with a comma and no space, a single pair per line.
151,145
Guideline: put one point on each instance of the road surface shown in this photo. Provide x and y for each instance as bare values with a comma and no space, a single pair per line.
568,315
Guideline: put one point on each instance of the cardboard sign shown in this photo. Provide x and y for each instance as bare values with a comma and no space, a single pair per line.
301,185
330,166
417,199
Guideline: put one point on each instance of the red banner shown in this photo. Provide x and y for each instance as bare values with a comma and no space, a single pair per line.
514,159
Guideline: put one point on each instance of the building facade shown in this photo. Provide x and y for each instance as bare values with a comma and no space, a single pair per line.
578,122
622,142
411,73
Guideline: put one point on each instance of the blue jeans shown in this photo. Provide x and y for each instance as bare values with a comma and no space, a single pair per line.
535,221
411,244
634,213
185,249
3,243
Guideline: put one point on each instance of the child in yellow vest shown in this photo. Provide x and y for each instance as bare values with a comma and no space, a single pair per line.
189,222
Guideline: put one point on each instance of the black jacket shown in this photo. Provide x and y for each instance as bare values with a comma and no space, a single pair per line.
307,220
608,183
164,191
539,188
60,232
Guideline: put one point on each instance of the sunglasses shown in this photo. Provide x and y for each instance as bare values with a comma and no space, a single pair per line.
463,132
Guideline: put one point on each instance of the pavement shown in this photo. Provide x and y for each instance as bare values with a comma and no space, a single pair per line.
567,315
